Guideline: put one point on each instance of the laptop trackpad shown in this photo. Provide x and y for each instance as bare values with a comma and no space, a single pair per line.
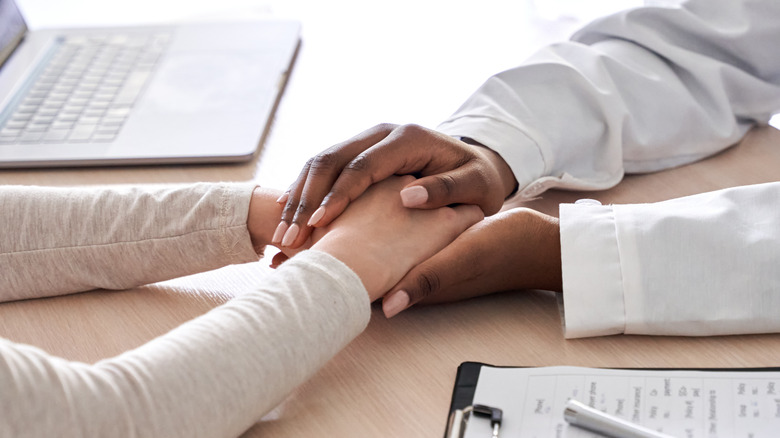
198,82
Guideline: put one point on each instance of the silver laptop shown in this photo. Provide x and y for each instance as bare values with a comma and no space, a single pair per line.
139,95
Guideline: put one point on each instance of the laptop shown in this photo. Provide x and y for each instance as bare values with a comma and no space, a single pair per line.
190,93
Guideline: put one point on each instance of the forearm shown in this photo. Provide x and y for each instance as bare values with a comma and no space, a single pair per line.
639,91
59,241
699,265
212,377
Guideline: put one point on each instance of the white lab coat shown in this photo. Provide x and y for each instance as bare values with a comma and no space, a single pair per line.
639,91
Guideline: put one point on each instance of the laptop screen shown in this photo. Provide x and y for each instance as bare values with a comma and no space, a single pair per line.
12,28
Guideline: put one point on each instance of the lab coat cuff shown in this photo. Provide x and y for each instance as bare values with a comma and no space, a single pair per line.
515,147
593,297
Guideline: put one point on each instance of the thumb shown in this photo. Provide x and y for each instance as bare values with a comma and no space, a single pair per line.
427,279
278,259
484,259
464,185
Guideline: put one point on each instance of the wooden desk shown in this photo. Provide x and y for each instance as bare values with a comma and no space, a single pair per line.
395,379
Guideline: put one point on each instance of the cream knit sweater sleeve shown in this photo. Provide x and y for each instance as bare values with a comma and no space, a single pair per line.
63,240
211,377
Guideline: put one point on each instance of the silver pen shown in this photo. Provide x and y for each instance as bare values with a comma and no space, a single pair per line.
581,415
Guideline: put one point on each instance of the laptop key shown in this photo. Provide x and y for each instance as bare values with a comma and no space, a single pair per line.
67,117
132,87
34,127
81,132
31,137
11,132
56,135
15,124
62,125
118,111
27,109
18,117
101,137
108,129
112,121
94,112
88,120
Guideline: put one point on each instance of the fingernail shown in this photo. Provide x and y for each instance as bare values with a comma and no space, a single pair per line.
318,214
414,196
282,199
279,233
395,303
290,235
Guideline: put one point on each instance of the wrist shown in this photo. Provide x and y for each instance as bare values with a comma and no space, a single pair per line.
548,271
372,272
264,214
505,174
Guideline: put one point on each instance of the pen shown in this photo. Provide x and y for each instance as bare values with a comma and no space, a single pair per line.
581,415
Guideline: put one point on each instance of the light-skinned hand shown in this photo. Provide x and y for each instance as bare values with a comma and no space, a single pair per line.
516,249
381,240
452,172
264,213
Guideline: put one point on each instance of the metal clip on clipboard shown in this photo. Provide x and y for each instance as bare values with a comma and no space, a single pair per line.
456,427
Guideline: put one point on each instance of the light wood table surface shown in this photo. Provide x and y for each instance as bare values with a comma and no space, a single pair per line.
395,379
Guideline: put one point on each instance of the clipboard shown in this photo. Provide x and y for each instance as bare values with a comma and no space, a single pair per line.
468,375
462,398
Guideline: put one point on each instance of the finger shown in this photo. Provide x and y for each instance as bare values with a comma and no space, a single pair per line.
445,270
402,152
440,273
278,259
290,200
465,185
322,171
468,215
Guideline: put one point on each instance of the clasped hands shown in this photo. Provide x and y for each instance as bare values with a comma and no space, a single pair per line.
511,250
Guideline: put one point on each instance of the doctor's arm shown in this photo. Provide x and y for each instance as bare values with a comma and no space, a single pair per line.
638,91
695,266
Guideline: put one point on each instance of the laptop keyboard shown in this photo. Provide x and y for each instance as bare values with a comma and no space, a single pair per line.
86,90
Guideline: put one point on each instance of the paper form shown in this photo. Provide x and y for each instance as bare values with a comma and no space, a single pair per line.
706,404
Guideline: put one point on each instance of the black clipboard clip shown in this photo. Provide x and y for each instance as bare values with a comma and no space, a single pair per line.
456,426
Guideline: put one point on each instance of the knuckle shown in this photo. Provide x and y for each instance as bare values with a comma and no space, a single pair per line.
304,207
428,284
324,161
448,215
359,164
411,130
446,184
385,127
336,199
462,159
289,209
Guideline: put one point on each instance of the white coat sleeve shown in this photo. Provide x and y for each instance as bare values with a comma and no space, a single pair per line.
638,91
699,265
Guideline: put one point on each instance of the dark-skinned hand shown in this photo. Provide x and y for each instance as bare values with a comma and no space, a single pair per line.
451,171
512,250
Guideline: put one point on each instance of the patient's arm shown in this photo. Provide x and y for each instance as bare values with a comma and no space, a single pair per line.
64,240
216,375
